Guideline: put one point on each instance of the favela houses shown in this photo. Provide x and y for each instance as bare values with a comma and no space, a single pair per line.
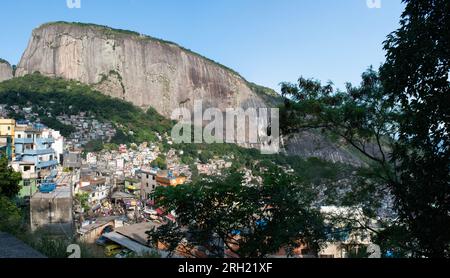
256,134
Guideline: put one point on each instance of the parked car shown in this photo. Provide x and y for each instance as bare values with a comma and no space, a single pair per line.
125,254
112,249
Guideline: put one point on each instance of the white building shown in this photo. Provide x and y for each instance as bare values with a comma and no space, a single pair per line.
347,240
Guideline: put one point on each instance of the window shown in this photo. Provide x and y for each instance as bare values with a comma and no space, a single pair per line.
154,177
26,168
148,176
19,136
9,128
29,136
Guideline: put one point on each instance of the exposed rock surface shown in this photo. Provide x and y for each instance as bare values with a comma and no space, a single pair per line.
6,71
145,71
153,73
311,144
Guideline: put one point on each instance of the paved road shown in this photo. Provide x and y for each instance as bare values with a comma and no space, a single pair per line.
11,247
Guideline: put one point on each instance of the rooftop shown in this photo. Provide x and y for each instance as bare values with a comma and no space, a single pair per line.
60,192
137,232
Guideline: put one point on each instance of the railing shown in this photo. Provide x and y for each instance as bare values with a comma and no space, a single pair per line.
45,141
23,140
39,152
46,164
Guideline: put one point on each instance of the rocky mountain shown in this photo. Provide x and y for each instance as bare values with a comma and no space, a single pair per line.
150,72
314,144
6,71
143,70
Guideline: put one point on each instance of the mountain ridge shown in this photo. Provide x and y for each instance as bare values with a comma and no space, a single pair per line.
144,70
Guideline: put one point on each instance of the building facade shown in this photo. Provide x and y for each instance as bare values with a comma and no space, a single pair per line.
34,153
7,133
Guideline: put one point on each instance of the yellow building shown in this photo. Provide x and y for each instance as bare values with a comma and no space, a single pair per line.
7,129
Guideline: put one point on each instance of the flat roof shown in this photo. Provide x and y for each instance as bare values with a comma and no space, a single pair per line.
122,195
137,232
140,249
60,192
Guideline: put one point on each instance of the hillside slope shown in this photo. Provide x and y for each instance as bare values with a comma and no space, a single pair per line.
51,97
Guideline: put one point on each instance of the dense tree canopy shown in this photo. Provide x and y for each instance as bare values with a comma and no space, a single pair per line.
9,179
10,217
251,220
416,80
399,121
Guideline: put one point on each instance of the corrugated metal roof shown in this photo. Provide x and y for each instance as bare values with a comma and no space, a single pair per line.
128,243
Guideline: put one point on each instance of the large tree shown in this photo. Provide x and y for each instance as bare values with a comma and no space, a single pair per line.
416,80
253,219
10,218
399,121
9,179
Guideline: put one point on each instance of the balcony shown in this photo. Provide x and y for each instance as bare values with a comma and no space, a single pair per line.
46,164
23,140
42,141
38,152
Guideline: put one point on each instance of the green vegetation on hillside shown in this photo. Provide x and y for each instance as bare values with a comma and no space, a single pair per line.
311,170
58,96
267,94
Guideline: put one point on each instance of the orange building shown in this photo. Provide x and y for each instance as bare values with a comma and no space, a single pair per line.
169,178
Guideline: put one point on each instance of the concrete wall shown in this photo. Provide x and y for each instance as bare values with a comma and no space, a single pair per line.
91,236
52,212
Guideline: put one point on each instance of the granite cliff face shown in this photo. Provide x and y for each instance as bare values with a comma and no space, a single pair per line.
308,144
6,71
149,72
145,71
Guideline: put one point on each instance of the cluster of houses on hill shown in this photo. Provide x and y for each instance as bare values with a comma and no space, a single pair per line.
86,130
106,198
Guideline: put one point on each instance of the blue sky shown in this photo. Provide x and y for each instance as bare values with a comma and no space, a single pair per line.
267,41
